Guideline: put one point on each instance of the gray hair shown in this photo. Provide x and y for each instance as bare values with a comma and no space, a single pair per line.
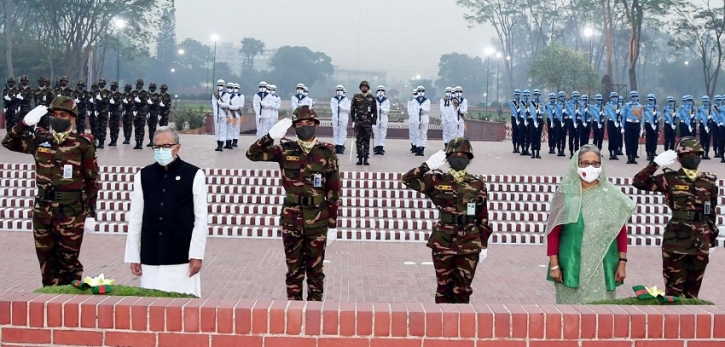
168,129
589,148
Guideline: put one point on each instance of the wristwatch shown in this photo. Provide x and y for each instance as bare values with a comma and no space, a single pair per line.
623,259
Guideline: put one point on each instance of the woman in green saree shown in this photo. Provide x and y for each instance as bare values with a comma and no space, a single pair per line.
586,233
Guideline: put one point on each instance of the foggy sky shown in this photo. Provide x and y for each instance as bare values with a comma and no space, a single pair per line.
403,37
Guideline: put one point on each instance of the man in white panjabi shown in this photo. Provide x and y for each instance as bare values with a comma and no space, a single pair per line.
167,226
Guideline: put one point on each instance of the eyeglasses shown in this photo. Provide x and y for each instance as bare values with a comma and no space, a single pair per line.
583,164
165,146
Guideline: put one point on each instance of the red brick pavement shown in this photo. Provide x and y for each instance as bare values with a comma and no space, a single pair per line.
357,271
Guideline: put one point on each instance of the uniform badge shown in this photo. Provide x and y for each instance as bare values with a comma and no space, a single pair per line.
67,171
707,208
444,187
471,209
317,180
682,187
46,144
293,158
44,150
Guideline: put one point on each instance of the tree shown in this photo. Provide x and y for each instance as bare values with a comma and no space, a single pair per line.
430,89
294,65
166,42
251,47
561,68
460,69
699,29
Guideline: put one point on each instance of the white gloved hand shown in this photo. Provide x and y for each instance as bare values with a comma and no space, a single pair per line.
96,113
111,101
7,98
77,101
98,97
89,226
137,99
279,130
600,126
134,113
666,158
673,127
19,97
483,255
575,125
33,117
690,127
654,127
125,101
437,160
641,133
90,100
149,102
707,130
331,236
622,131
162,104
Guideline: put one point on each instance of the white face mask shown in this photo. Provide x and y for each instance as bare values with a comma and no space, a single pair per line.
448,94
236,90
381,93
262,89
421,94
589,174
220,88
339,92
273,92
299,91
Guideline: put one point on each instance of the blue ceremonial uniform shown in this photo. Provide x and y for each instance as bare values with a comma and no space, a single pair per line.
611,110
705,118
650,126
515,106
632,117
669,115
551,122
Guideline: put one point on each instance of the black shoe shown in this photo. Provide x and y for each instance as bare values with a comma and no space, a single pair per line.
619,152
150,144
100,143
412,148
561,154
516,149
538,154
112,143
615,157
365,161
524,152
705,157
445,146
138,144
359,161
127,141
420,151
722,160
219,145
382,150
228,144
234,143
337,149
551,151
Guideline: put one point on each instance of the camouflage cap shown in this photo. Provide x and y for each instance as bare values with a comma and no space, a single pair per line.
304,112
64,103
460,145
11,79
164,86
24,78
102,81
139,81
114,83
364,83
64,78
152,85
688,144
81,83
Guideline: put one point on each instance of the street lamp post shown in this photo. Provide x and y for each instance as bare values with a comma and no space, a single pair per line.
589,34
498,74
120,24
214,38
488,52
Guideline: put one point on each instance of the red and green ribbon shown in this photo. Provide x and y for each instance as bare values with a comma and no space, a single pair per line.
102,289
642,293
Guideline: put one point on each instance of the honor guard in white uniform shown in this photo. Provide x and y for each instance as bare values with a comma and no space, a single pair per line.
412,123
263,112
238,109
340,108
421,109
462,111
380,129
220,108
300,99
449,120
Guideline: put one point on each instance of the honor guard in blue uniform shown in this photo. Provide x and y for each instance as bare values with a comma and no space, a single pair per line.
526,118
515,105
611,110
669,115
651,121
684,118
574,122
596,119
585,129
632,115
705,118
720,129
693,115
563,115
536,125
620,121
551,122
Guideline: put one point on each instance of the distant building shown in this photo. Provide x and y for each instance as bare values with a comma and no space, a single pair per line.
230,53
351,78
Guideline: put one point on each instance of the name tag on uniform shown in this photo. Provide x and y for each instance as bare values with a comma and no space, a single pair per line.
293,158
471,209
682,187
317,180
444,187
43,150
67,171
707,208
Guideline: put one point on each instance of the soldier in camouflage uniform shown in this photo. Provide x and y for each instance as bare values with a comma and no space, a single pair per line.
460,239
10,102
153,117
364,112
128,109
140,113
66,176
92,110
311,178
115,111
81,96
165,106
43,96
102,111
63,89
692,197
25,98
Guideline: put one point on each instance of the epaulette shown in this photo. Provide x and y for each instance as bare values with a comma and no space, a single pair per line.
667,170
709,176
87,137
327,145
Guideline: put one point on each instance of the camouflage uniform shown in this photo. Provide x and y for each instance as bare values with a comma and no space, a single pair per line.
166,109
63,90
102,112
81,97
65,196
10,103
115,109
153,117
457,239
128,109
364,111
43,96
307,211
691,230
141,111
91,108
24,104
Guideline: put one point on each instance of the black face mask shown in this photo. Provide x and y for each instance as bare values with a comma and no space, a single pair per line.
458,163
59,125
306,132
114,88
690,163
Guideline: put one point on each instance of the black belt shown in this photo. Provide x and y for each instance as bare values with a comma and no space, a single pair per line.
51,193
688,216
305,200
457,219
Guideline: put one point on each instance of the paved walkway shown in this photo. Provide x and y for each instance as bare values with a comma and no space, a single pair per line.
357,271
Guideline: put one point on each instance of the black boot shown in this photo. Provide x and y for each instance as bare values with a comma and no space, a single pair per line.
705,156
723,159
229,145
376,150
619,152
561,153
219,145
445,146
533,154
420,152
551,150
516,148
337,149
112,143
365,160
359,159
100,143
382,150
127,141
234,143
412,148
138,144
538,154
151,143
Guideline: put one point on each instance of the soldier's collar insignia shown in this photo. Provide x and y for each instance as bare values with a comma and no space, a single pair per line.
444,187
46,144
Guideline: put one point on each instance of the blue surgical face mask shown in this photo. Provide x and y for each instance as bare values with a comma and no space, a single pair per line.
634,99
163,156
